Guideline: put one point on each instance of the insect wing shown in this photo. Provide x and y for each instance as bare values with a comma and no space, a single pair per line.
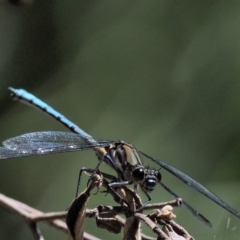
197,214
193,184
39,143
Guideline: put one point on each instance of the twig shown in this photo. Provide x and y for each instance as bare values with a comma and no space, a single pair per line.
174,203
107,217
35,231
32,216
28,213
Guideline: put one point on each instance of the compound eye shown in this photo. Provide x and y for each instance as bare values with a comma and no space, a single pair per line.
138,174
159,176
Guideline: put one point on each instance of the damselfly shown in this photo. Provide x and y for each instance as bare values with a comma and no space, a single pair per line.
123,157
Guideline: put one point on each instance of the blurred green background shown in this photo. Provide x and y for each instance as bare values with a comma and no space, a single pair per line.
163,75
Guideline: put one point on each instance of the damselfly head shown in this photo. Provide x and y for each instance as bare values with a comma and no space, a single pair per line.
147,178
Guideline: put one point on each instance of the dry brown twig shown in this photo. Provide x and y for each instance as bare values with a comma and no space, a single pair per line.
33,216
106,217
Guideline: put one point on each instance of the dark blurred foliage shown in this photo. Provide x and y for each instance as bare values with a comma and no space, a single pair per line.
163,75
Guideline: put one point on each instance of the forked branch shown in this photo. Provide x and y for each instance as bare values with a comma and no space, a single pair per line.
107,217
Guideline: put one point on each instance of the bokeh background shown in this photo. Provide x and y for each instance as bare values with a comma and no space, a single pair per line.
161,74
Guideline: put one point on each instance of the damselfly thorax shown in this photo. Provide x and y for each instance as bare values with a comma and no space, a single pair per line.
125,160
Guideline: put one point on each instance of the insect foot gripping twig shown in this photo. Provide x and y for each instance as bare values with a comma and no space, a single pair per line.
77,211
107,217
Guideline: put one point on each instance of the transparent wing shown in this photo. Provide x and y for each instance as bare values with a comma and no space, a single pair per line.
196,214
39,143
193,184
